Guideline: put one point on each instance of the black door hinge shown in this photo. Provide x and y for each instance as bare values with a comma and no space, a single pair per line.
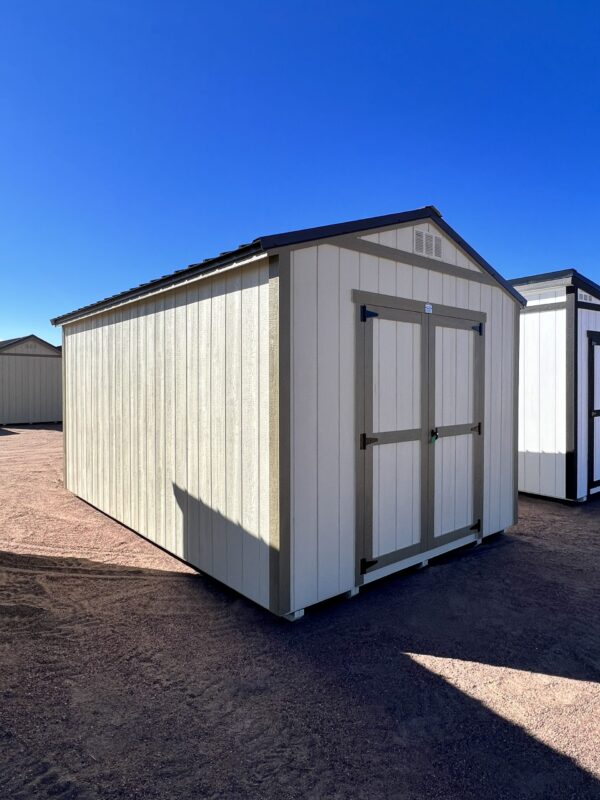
477,526
366,314
478,328
365,440
595,413
366,564
477,428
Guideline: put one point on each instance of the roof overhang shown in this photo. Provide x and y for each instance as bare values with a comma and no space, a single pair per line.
263,245
561,277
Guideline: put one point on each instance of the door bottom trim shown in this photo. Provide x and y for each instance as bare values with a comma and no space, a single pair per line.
411,561
391,558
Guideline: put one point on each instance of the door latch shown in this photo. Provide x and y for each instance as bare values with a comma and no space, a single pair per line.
434,435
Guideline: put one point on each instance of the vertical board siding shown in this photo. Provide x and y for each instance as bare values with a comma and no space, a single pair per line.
542,402
304,422
168,422
30,388
328,393
586,321
323,494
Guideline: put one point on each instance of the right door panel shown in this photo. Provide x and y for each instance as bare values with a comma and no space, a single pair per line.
455,415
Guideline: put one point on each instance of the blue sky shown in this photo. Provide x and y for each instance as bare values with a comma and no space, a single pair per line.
138,137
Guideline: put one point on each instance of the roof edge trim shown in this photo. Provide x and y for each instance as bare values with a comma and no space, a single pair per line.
576,279
179,278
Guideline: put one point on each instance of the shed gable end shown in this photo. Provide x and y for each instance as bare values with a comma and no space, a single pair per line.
30,346
425,239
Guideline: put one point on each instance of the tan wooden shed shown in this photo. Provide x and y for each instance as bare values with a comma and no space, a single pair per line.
304,414
30,381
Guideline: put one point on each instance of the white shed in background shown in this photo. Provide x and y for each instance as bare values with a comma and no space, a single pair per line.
559,394
306,413
30,381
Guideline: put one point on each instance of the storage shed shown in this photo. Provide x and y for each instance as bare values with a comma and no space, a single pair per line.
30,381
559,386
307,413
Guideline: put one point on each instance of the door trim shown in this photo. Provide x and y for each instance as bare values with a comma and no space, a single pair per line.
593,341
404,304
452,316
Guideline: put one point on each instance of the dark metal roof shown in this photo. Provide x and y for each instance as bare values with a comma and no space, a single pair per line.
571,276
9,342
264,244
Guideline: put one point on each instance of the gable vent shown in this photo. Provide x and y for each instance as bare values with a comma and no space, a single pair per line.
428,244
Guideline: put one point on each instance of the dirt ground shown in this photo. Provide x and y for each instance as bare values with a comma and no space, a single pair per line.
123,674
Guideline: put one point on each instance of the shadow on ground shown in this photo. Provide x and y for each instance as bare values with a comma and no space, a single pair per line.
122,682
38,426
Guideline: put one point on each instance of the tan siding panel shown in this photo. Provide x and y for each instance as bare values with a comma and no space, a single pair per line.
304,392
168,419
30,389
314,477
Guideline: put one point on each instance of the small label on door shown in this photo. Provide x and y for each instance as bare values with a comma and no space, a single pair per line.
428,308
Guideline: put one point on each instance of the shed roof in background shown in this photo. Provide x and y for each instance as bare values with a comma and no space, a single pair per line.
8,343
266,244
567,277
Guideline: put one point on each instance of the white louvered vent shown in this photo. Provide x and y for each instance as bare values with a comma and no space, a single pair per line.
428,244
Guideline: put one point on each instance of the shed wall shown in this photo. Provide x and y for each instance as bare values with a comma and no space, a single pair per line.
322,376
542,398
167,422
30,388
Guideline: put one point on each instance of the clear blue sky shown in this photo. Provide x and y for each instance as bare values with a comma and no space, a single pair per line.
138,137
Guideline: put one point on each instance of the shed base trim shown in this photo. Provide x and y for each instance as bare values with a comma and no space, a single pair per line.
418,559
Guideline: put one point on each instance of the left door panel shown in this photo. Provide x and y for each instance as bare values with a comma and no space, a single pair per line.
394,418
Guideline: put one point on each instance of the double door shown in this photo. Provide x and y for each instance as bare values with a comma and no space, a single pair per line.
420,381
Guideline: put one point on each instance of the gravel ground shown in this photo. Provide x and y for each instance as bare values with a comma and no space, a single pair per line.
123,674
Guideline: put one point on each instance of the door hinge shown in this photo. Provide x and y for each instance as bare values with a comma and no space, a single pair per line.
478,328
595,413
365,440
477,428
366,313
366,564
477,526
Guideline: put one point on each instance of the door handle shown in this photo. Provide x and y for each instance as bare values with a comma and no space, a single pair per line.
434,435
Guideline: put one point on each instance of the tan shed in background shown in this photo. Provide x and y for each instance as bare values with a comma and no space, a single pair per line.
30,381
307,413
